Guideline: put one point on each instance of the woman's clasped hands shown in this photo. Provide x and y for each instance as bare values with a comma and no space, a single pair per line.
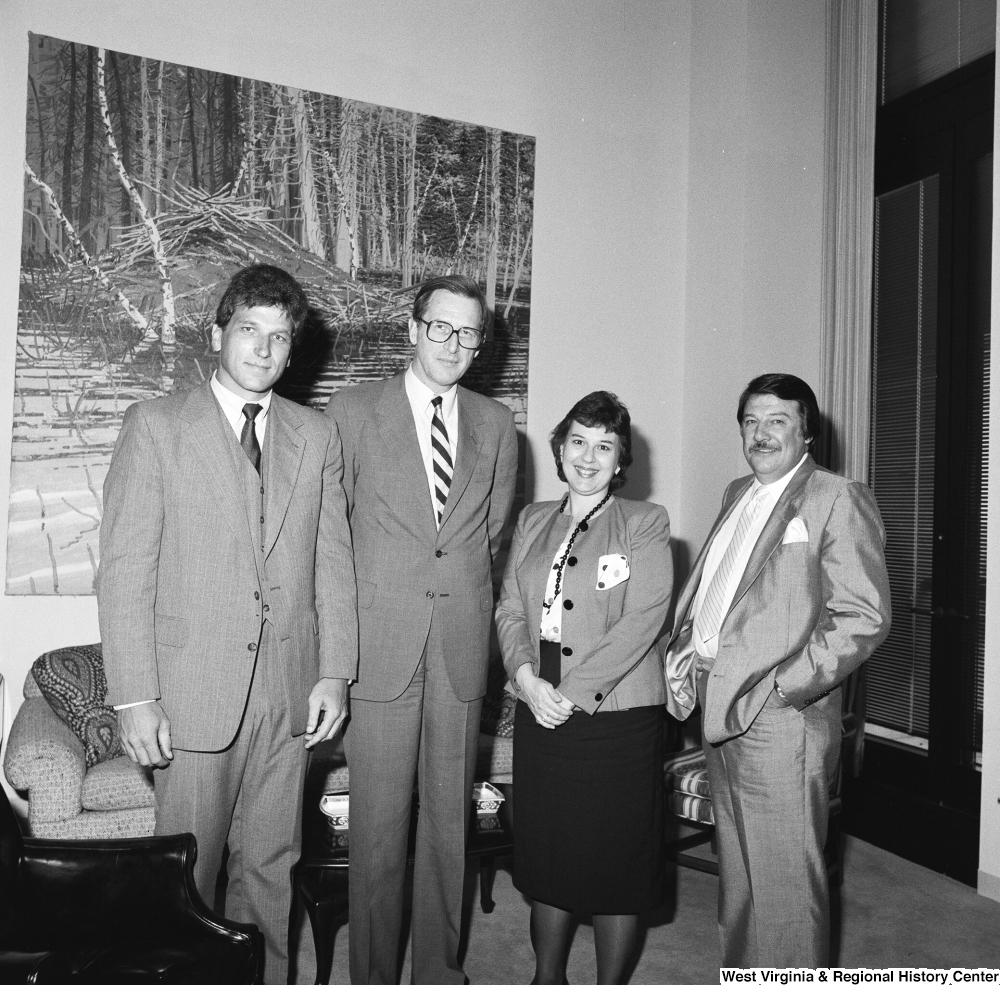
549,707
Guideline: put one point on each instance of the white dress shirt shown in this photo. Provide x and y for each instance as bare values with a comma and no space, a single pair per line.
420,396
769,496
232,407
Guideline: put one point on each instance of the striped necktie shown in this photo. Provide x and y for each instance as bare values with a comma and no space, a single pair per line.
441,455
248,436
708,622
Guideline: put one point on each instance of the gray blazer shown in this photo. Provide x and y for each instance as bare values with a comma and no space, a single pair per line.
610,633
182,583
812,605
407,569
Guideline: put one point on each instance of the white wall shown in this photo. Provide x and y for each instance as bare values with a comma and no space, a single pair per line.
604,89
755,220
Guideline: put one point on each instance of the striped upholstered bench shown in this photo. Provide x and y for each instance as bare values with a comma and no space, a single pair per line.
685,777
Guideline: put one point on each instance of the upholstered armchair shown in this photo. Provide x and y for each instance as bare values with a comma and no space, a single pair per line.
63,752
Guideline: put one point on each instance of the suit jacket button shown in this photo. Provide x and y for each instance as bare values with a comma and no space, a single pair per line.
251,647
256,595
598,696
568,604
567,651
430,595
572,562
438,553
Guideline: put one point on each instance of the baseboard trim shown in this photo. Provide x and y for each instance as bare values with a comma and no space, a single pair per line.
988,884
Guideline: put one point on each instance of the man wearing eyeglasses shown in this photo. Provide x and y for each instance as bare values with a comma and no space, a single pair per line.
429,470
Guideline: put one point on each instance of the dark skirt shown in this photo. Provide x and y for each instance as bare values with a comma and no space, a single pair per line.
588,810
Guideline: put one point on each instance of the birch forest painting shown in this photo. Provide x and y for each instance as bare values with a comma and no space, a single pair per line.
147,184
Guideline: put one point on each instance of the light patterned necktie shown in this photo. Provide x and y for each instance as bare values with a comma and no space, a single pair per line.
248,437
709,619
441,455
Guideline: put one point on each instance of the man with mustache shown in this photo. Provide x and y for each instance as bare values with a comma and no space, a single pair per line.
789,595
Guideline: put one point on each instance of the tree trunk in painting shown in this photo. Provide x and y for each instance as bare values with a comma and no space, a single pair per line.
312,230
514,240
382,179
67,175
517,273
192,136
410,207
126,142
207,134
248,164
159,161
87,178
346,257
167,335
493,245
230,131
43,211
145,104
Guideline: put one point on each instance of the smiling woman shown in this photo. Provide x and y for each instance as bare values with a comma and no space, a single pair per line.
584,597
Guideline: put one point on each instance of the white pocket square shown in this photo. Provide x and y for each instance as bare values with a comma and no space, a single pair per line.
612,569
795,532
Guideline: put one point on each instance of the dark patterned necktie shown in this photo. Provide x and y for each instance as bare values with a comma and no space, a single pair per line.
441,455
248,437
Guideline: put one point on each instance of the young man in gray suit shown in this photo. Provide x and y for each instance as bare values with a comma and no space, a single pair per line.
227,602
788,596
429,471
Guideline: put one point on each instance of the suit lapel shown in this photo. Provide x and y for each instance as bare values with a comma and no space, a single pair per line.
770,537
211,444
394,420
283,458
469,441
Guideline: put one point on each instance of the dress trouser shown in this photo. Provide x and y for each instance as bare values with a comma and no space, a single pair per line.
429,733
770,797
251,795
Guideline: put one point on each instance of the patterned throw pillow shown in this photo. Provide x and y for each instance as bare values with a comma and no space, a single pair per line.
73,683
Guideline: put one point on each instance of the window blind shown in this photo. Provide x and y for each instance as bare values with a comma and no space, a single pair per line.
904,380
923,40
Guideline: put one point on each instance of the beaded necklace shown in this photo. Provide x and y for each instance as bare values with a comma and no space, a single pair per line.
580,528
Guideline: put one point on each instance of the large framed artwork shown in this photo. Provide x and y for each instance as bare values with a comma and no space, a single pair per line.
147,184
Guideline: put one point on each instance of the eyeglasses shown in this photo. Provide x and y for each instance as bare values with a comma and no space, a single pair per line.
442,331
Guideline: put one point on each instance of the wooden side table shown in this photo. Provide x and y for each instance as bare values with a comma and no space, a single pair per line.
321,874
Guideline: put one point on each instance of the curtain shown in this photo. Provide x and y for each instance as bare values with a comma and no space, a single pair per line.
845,360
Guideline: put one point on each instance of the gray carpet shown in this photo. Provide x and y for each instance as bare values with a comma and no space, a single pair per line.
890,913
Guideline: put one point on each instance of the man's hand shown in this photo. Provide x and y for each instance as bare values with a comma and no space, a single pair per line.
703,664
145,734
327,710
